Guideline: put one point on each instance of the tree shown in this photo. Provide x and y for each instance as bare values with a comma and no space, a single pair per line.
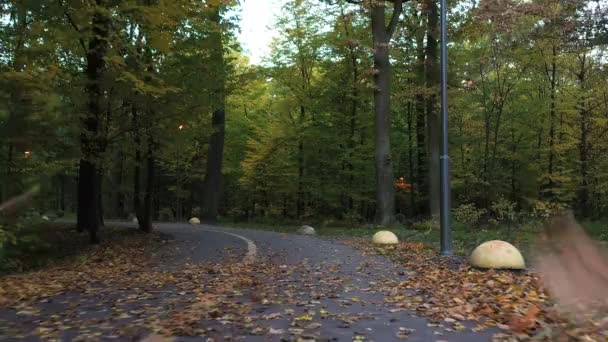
381,38
92,146
116,104
215,156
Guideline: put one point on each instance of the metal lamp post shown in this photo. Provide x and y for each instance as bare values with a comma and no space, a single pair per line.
446,230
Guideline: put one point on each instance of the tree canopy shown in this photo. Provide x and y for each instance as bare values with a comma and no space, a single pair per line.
150,109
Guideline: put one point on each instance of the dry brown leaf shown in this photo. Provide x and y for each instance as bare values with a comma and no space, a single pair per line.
521,323
157,338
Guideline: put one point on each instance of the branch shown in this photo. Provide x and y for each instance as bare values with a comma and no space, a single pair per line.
73,23
397,9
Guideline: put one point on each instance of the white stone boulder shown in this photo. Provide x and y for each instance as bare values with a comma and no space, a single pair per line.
384,237
497,254
194,220
306,230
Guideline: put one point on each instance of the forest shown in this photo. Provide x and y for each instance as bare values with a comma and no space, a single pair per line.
150,109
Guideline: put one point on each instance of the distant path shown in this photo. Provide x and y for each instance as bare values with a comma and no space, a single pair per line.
329,278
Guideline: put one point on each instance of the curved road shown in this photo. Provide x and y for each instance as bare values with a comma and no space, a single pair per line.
339,293
379,321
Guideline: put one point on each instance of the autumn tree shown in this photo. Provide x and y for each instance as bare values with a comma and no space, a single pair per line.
381,38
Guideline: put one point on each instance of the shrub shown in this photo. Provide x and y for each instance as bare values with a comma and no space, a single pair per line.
504,210
353,218
237,214
165,214
21,241
401,218
542,209
468,214
425,225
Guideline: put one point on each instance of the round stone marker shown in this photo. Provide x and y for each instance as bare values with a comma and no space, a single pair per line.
497,254
384,237
306,230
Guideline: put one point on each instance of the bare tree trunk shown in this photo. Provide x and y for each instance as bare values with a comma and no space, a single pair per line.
354,104
300,195
137,166
16,110
89,181
145,224
120,196
410,156
213,176
433,118
62,193
7,191
551,74
422,174
100,202
583,197
353,125
385,192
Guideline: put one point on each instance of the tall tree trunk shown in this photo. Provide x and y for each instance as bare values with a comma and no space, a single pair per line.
422,174
433,118
7,191
62,193
137,166
487,120
514,143
145,224
353,126
119,210
100,201
16,108
213,176
354,104
300,194
89,181
539,143
385,192
583,197
353,121
410,156
551,74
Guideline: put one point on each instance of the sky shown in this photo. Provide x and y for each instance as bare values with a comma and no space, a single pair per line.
257,17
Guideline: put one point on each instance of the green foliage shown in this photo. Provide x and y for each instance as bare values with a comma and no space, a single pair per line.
468,214
425,225
504,210
524,140
22,241
543,210
165,214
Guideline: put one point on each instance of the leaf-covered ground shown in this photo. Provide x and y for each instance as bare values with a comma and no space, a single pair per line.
449,290
298,288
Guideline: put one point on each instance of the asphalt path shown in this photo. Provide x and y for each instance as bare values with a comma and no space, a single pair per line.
327,277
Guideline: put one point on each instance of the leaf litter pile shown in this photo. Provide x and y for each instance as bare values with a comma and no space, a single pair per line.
449,290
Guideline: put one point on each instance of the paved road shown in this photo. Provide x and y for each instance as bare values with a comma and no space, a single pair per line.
337,293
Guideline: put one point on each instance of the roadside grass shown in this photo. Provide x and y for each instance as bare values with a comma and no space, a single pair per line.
465,239
40,245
